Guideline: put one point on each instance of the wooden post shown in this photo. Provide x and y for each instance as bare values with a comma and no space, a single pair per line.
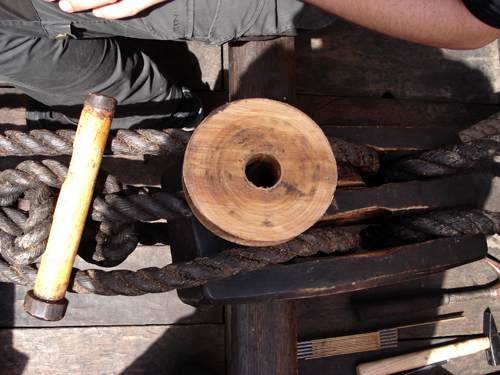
263,70
47,301
263,337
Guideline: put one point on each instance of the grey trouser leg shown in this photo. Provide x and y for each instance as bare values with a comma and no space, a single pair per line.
61,72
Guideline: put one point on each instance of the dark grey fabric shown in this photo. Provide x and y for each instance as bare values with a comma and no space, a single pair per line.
60,73
17,10
213,22
487,11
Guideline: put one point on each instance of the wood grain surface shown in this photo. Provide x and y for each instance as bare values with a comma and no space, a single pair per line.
150,350
265,332
259,133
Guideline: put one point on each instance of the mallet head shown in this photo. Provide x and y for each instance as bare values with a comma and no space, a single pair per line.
491,331
45,310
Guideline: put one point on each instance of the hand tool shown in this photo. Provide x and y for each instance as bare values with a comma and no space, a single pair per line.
363,342
366,310
47,301
490,342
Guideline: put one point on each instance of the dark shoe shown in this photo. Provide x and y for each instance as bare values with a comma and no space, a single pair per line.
40,116
188,116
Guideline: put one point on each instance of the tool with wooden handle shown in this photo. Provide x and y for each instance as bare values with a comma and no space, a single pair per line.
363,342
47,301
490,342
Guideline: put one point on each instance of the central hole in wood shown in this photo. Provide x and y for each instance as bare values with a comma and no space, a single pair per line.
263,170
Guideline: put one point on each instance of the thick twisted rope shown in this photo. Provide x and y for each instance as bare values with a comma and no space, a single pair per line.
118,208
153,142
434,163
29,175
358,155
23,237
125,142
108,244
140,207
486,127
443,162
196,272
427,226
115,202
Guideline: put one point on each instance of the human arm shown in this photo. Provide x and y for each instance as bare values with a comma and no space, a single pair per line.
438,23
109,9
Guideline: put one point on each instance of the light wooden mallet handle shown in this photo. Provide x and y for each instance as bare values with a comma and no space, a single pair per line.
47,301
422,358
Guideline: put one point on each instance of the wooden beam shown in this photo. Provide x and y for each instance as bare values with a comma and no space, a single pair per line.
263,70
148,349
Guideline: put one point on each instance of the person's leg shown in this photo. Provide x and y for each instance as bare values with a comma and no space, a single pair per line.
59,73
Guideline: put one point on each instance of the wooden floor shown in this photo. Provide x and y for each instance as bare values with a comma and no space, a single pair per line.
345,75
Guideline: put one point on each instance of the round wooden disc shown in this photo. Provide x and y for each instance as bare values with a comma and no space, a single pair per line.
258,172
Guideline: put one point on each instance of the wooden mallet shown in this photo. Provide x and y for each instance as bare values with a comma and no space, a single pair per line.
47,301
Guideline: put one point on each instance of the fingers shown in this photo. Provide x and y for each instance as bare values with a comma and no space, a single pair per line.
109,9
79,5
123,8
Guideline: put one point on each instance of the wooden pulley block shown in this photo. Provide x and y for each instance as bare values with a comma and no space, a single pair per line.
258,172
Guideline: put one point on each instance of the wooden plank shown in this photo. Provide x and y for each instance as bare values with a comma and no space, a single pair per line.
346,60
327,110
315,277
396,138
262,70
94,310
148,350
354,205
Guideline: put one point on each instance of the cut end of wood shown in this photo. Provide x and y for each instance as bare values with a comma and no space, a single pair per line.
259,172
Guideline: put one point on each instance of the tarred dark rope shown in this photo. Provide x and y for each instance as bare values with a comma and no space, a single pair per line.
483,128
23,244
443,162
196,272
434,163
60,142
153,142
23,235
358,155
427,226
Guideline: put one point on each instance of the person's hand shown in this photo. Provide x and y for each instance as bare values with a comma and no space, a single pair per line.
109,9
